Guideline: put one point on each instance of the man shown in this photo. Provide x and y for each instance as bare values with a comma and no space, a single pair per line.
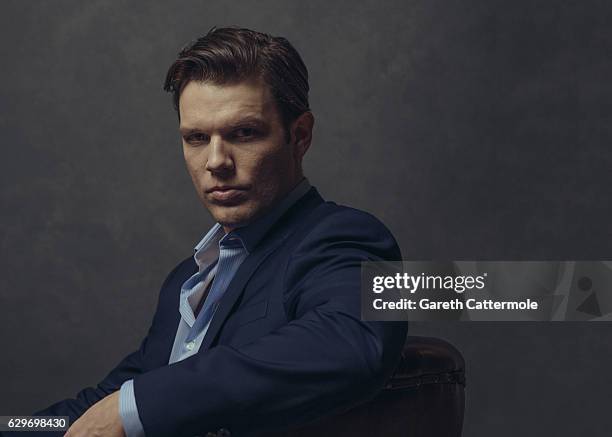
260,330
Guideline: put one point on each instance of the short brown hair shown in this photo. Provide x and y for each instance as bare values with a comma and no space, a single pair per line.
232,55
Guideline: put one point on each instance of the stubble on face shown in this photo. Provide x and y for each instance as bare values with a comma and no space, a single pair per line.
235,149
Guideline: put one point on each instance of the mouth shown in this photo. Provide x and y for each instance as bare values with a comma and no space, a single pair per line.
227,195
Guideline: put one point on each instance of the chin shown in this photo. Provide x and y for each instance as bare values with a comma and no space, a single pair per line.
231,217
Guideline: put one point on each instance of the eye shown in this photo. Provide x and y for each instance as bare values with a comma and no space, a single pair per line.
245,133
196,138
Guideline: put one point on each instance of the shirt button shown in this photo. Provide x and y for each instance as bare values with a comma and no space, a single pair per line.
190,345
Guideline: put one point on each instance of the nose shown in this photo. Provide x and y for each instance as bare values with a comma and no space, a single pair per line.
219,159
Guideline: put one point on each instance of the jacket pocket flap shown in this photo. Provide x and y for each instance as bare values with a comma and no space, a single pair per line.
250,313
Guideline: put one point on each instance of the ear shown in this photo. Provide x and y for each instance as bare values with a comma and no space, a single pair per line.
301,133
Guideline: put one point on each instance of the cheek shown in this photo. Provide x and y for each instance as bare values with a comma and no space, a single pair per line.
261,168
270,174
194,161
278,165
249,166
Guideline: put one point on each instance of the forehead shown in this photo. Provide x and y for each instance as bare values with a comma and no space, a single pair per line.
206,105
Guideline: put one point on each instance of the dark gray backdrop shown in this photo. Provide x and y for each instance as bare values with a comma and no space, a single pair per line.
473,129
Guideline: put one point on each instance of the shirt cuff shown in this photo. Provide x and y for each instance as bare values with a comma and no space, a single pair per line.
129,411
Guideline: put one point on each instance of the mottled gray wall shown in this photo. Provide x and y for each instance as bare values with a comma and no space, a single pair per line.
474,129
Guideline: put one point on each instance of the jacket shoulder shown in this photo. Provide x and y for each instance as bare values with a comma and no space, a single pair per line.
331,223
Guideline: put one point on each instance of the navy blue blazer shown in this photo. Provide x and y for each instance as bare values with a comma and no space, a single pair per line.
286,345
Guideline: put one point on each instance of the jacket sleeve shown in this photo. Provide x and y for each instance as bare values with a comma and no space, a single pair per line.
325,359
75,408
127,369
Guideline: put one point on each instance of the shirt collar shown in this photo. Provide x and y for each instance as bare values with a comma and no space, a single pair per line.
205,250
251,234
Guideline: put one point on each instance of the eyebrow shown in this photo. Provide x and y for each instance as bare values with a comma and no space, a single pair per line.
244,121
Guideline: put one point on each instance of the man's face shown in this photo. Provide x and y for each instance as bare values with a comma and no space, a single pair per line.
235,149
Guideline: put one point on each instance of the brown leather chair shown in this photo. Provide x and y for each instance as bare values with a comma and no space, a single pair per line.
424,398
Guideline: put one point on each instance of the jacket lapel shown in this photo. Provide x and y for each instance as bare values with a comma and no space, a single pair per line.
275,237
234,291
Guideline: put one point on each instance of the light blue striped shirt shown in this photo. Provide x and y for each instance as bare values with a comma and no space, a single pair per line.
218,257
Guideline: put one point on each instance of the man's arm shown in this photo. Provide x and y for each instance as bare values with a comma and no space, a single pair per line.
86,398
127,369
324,360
